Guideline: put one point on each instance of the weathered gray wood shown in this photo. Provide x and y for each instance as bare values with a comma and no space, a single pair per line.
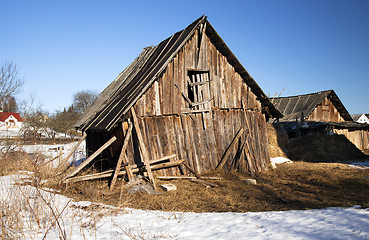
205,183
186,177
108,173
162,159
62,164
199,83
230,148
123,158
92,157
183,95
186,111
192,170
144,152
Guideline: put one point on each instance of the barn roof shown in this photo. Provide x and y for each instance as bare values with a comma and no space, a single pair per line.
116,100
5,115
292,106
356,117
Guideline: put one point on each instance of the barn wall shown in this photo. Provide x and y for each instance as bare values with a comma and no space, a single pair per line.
226,89
358,137
326,112
202,140
169,126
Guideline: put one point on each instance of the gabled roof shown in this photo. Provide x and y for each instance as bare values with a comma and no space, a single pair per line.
292,106
356,117
6,115
116,100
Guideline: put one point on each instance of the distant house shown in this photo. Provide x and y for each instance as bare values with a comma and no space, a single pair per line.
320,113
10,119
361,118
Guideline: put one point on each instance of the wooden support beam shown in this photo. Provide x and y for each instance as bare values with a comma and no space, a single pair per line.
192,170
201,103
205,183
185,111
228,151
61,165
92,157
162,159
49,161
123,158
145,154
199,83
107,174
186,177
249,130
183,95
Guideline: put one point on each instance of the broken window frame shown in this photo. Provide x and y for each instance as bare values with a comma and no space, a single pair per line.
198,89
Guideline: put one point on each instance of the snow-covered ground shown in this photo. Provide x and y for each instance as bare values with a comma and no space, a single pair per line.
107,222
9,132
36,212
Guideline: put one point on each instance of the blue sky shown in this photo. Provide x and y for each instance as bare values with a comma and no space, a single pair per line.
62,47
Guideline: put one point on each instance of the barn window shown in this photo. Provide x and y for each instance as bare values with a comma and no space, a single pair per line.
198,90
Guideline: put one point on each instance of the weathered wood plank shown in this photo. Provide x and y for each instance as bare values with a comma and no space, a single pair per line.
135,169
92,157
144,152
230,148
123,159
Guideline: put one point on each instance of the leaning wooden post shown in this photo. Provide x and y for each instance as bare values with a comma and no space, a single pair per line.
123,158
92,157
72,151
145,154
226,154
197,175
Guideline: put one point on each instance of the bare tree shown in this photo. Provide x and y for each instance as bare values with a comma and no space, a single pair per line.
83,99
10,104
10,82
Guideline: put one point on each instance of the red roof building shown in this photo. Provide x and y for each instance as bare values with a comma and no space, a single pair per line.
10,119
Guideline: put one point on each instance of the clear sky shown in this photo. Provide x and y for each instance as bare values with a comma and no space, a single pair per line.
62,47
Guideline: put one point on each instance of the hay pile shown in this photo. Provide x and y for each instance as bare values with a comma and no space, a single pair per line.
278,140
331,148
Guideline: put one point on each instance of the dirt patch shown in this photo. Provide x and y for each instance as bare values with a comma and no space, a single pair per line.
299,185
330,148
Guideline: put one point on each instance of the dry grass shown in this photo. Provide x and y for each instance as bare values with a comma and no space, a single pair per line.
277,140
300,185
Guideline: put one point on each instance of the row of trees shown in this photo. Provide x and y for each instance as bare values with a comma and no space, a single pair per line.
38,121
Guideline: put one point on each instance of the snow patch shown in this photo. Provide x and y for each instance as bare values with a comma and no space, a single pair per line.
279,160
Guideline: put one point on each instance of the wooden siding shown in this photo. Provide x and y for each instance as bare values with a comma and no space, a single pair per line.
202,140
227,88
325,112
358,137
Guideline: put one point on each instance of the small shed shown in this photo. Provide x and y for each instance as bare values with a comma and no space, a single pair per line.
187,97
320,113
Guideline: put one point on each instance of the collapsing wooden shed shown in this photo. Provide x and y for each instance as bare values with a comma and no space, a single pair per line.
193,100
320,113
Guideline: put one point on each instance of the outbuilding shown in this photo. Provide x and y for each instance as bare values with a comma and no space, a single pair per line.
187,98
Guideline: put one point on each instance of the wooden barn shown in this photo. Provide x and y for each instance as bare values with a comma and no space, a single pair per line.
320,113
187,98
